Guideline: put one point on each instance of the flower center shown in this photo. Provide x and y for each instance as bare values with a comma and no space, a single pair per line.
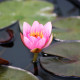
36,34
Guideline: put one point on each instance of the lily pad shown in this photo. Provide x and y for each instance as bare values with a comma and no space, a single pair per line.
23,10
69,50
72,27
13,73
60,67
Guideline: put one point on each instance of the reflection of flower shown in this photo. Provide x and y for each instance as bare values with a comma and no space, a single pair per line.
36,37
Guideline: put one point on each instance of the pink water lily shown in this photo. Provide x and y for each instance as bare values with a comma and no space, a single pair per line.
37,36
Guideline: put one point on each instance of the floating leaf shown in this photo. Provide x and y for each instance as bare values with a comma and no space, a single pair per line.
12,73
72,27
25,10
60,67
70,50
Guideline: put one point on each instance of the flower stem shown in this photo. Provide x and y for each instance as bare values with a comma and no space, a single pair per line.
35,57
35,68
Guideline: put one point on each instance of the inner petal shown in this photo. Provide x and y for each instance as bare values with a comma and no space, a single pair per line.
35,26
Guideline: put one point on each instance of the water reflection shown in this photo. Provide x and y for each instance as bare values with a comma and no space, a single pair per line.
6,36
10,44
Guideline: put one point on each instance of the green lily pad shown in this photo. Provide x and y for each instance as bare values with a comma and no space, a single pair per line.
60,67
23,10
71,27
69,50
13,73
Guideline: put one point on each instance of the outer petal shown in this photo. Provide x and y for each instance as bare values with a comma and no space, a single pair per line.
49,41
33,39
26,41
47,29
35,26
40,44
26,28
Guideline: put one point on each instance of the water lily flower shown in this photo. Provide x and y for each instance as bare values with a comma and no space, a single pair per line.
36,37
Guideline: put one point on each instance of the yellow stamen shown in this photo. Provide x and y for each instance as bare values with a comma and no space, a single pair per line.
31,34
36,34
41,36
41,33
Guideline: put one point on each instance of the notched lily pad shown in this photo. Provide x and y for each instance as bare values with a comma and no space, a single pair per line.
69,50
60,67
12,73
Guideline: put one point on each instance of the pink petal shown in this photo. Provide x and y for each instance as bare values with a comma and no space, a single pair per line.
35,26
26,41
49,41
47,29
33,39
40,28
41,43
38,38
26,28
37,42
